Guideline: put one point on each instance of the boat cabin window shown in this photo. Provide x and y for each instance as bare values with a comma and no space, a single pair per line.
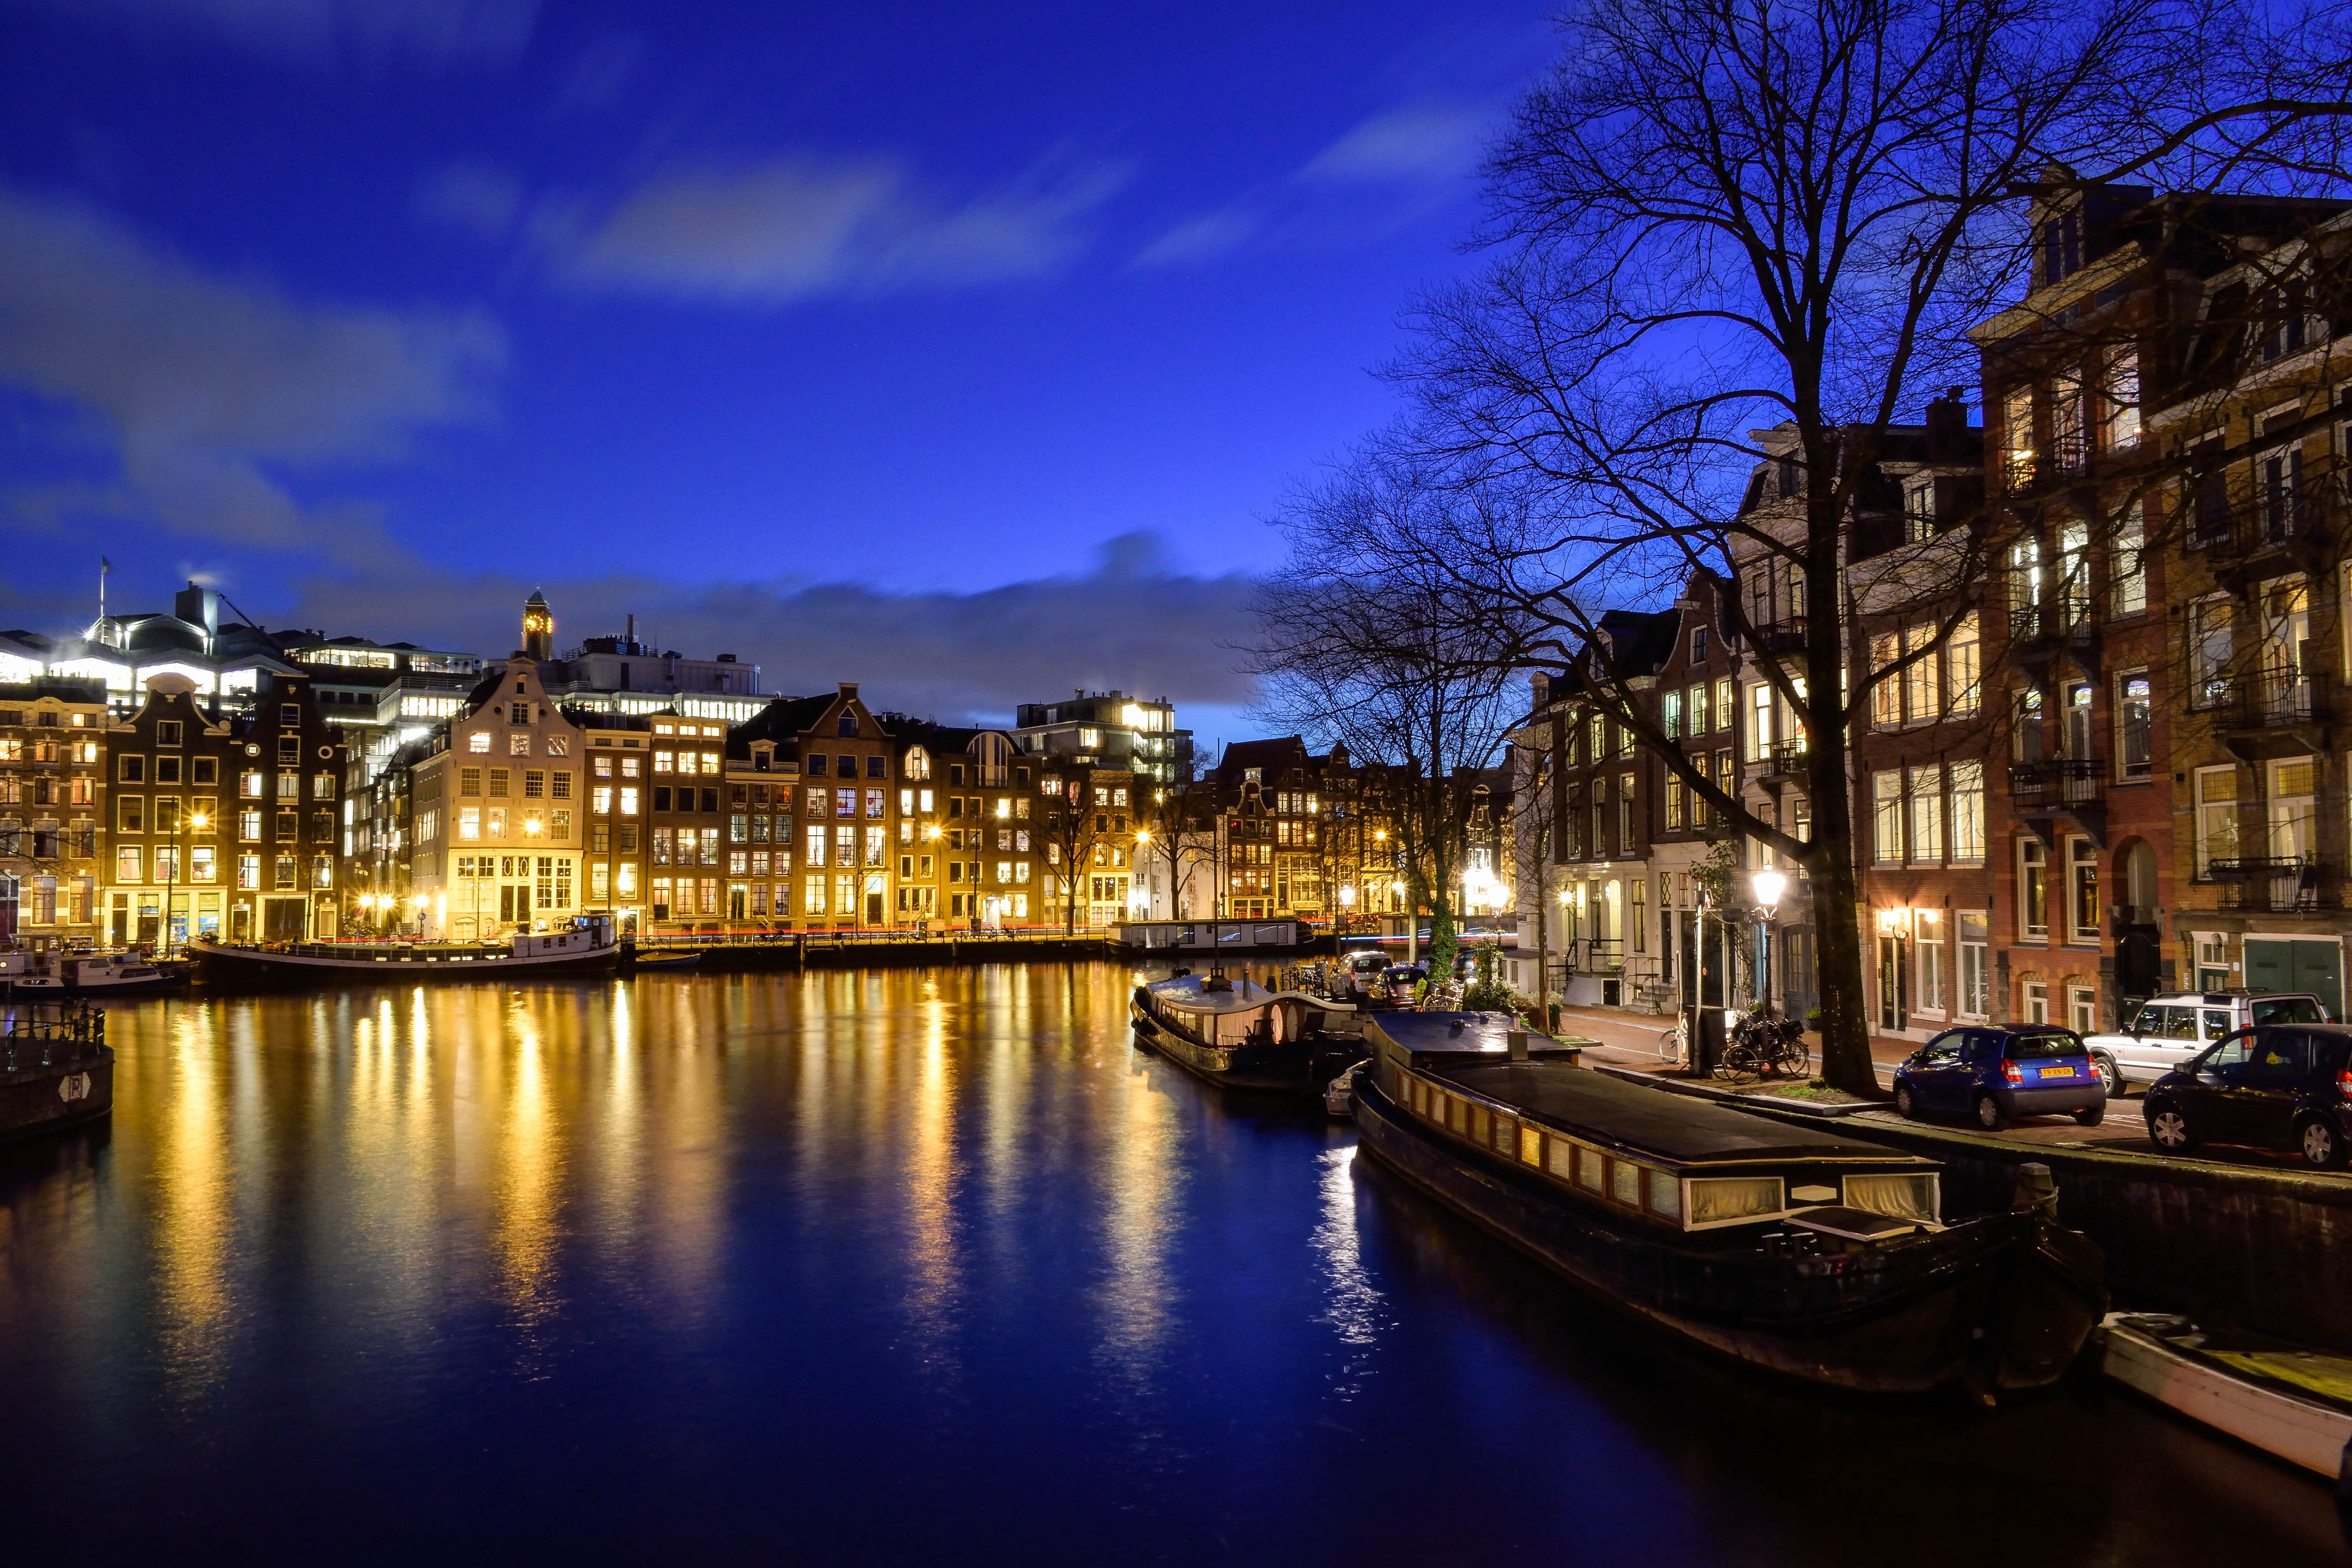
1588,1168
1719,1200
1563,1159
1626,1183
1896,1196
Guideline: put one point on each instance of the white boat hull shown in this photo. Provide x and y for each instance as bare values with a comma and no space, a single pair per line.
2302,1432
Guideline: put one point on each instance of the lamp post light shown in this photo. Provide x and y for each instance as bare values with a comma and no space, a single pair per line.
1767,885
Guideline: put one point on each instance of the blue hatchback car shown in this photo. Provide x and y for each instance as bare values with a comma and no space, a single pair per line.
1996,1073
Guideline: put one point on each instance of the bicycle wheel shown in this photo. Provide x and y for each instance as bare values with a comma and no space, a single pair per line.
1737,1060
1670,1044
1797,1060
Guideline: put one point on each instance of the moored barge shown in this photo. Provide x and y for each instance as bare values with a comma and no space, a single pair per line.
1239,1035
1805,1251
56,1067
583,947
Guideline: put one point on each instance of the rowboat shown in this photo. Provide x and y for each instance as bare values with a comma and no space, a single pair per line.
1807,1252
1239,1035
2292,1403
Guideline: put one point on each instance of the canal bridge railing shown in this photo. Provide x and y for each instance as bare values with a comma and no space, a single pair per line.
50,1034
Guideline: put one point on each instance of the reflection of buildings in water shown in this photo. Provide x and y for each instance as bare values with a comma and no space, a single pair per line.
529,1166
1139,1219
194,1197
932,1256
682,1135
1358,1310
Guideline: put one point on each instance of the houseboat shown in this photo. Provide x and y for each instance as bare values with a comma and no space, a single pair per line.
1237,1033
585,946
1805,1251
56,1067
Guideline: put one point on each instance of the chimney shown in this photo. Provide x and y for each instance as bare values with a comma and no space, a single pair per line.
1947,426
848,690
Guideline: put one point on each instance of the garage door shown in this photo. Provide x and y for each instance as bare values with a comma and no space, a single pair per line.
2282,965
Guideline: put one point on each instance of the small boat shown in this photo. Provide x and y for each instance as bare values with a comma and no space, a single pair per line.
1240,1035
584,946
1340,1090
1807,1252
2295,1404
56,1069
107,974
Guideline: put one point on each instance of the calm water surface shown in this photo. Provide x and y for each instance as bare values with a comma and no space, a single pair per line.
903,1267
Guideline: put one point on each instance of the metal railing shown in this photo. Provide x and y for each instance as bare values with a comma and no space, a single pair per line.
1786,759
1784,634
2269,884
50,1034
2268,699
2056,782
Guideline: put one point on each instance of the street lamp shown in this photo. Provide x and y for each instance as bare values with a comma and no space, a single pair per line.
1767,885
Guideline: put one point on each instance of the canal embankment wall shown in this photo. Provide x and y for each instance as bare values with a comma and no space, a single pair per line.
2268,1250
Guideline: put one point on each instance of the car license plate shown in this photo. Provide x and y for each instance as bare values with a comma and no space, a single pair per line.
2057,1072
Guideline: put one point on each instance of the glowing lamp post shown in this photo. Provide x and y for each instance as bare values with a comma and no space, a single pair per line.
1767,885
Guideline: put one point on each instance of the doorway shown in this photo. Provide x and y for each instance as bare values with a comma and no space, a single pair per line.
1893,983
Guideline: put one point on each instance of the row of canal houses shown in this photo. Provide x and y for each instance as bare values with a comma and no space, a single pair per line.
2120,766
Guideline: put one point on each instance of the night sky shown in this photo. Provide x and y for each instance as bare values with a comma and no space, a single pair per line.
961,350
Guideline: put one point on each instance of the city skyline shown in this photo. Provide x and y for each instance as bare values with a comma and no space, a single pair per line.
825,328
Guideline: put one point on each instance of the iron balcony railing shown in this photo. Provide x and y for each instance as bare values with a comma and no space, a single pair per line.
2270,700
1786,759
2273,521
1783,636
2269,884
2054,783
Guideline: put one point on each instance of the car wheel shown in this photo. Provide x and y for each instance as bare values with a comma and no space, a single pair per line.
1906,1104
2170,1131
2092,1117
2110,1077
2323,1145
1990,1115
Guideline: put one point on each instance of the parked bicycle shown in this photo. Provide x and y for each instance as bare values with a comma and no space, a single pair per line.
1673,1044
1764,1043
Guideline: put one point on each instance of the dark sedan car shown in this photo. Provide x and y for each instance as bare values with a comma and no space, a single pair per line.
1994,1074
2272,1086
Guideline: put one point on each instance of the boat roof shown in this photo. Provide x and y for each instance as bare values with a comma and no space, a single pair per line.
1246,996
1676,1128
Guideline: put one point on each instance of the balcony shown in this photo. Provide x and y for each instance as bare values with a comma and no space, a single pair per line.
2269,884
1785,760
2263,530
2269,713
1784,638
2074,787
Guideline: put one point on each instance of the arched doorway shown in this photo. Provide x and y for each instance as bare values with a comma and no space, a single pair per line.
2140,943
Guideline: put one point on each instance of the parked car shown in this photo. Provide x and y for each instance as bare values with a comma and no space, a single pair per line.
1997,1074
1364,970
2166,1031
2274,1086
1402,980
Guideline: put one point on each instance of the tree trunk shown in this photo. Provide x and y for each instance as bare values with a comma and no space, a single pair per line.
1543,954
1837,932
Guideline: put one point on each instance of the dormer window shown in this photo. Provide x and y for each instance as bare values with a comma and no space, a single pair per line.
1698,645
2061,247
1919,510
849,726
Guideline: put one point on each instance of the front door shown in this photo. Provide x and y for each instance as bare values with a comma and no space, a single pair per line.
874,909
1894,984
2282,963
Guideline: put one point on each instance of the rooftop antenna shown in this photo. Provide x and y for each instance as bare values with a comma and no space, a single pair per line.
104,566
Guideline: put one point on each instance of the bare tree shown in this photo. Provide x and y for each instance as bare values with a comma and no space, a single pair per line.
1078,820
1391,668
1182,819
1719,215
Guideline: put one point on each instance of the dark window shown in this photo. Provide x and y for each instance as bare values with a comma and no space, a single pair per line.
2281,1056
849,726
711,800
2040,1046
661,797
2287,1010
876,768
816,765
290,714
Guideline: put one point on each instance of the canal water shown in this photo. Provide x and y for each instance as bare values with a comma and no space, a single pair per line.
904,1266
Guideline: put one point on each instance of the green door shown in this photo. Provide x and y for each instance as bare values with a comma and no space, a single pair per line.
2274,963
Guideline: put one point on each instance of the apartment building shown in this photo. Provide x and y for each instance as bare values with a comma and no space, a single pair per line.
2170,405
53,809
1109,729
496,811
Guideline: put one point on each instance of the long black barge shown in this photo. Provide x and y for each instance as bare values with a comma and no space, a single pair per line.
1812,1254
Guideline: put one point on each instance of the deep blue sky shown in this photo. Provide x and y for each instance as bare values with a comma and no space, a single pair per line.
863,340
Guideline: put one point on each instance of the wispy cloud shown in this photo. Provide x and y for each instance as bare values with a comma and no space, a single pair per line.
1384,172
1414,144
206,386
1129,621
793,227
320,32
471,195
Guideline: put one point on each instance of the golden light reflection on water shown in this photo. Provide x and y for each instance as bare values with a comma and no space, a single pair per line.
429,1150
